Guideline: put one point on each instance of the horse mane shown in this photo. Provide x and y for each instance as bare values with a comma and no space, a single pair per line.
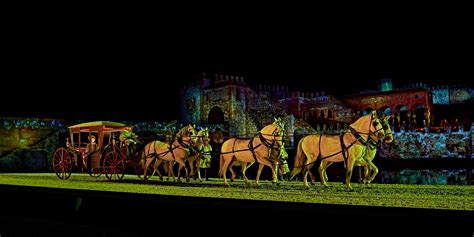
182,132
362,121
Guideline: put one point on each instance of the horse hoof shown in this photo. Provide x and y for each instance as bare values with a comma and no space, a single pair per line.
226,185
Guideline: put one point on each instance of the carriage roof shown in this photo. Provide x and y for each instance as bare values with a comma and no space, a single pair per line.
98,126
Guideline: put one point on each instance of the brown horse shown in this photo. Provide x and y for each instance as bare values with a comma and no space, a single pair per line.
258,149
347,147
176,151
278,158
370,170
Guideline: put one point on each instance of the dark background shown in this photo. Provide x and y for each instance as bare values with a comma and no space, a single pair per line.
133,70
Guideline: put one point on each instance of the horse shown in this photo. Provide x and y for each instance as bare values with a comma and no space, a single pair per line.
257,148
348,147
370,170
194,159
175,151
278,157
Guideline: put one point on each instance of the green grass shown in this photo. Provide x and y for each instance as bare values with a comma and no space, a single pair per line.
396,195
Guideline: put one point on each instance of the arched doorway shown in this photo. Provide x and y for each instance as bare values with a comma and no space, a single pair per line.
216,116
384,111
419,111
401,118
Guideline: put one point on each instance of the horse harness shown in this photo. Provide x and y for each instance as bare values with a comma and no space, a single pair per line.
345,149
252,148
171,148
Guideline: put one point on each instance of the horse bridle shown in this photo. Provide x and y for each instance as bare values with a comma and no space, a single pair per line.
274,134
358,136
375,142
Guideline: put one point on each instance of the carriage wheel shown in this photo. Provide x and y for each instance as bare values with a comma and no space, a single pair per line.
114,166
62,163
95,172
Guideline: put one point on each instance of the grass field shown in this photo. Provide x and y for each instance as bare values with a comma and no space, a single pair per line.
395,195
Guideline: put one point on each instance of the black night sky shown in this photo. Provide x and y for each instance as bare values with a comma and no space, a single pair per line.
116,77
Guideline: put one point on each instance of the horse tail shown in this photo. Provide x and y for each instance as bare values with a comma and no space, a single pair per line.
221,165
299,159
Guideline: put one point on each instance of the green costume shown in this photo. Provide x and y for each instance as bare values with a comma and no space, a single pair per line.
205,157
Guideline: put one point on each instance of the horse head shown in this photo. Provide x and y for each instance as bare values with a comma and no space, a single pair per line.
185,134
376,128
273,134
368,126
199,137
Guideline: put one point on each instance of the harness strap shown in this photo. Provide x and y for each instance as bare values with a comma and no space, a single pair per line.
233,146
343,148
320,138
358,136
171,150
252,149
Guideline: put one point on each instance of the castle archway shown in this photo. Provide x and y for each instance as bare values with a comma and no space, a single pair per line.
216,115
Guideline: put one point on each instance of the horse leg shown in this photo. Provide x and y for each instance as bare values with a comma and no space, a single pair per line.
305,178
311,158
232,172
245,166
191,167
325,173
198,170
156,169
374,169
361,178
182,165
171,171
362,164
224,169
188,176
274,173
260,168
145,167
350,167
322,172
244,177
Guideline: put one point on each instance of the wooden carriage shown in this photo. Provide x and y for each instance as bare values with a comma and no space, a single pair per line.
108,157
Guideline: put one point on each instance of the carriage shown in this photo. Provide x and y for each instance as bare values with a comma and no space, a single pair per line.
108,156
